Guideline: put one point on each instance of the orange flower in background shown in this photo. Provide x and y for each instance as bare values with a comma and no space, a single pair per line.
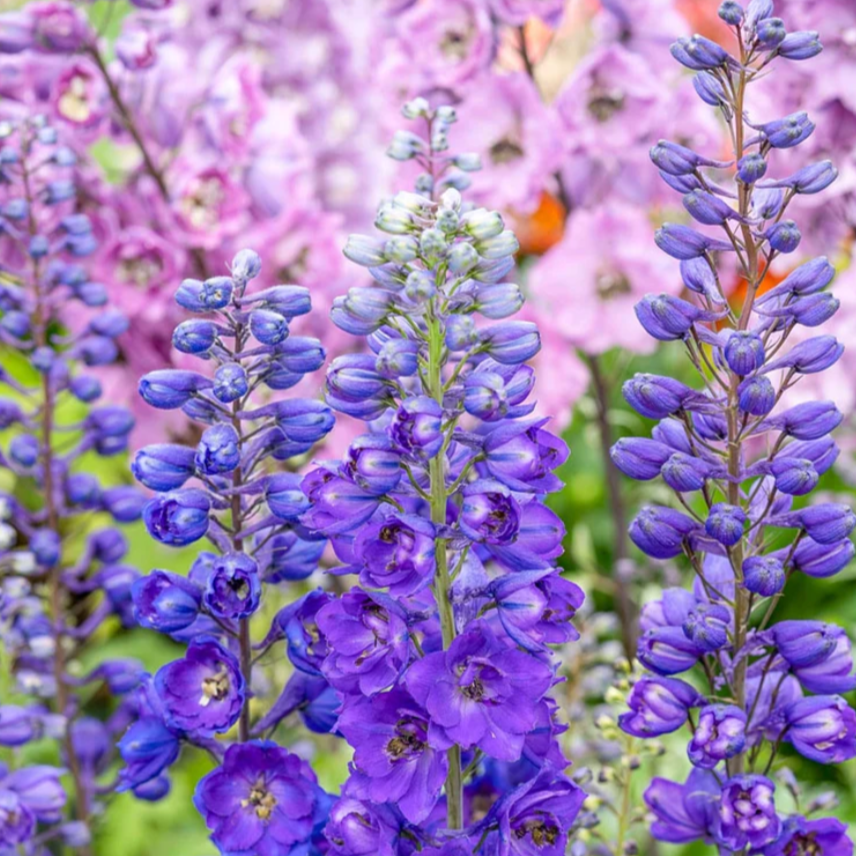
541,229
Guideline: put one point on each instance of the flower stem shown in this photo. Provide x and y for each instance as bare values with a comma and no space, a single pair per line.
442,582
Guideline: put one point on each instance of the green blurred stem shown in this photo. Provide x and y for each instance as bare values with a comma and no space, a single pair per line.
442,582
624,605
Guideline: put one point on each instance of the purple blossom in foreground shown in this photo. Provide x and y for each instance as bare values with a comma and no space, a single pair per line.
260,799
440,657
736,455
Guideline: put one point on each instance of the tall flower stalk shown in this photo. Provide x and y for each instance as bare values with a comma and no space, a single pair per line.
60,567
249,515
441,654
737,457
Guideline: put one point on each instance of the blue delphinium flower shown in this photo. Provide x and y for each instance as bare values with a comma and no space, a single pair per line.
223,490
737,521
55,596
441,655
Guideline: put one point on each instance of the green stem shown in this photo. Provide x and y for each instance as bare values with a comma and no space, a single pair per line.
442,582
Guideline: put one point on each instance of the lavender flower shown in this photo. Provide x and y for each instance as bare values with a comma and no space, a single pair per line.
441,507
55,597
734,494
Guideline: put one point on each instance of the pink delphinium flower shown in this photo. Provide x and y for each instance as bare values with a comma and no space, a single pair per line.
589,282
517,137
518,12
439,43
80,98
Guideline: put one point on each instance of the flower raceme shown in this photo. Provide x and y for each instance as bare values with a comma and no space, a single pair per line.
737,457
56,593
222,490
440,655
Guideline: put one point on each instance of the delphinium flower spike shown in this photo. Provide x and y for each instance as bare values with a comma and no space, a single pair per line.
261,798
738,456
61,571
440,654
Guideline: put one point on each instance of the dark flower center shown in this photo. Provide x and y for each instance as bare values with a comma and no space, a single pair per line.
612,284
215,687
474,691
261,800
409,740
505,151
542,833
803,845
605,103
455,44
240,586
139,271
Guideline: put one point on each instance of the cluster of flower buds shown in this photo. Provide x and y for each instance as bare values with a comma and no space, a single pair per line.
440,655
739,459
261,798
56,589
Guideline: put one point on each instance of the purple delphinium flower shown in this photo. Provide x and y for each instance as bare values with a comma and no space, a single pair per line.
395,761
262,799
440,508
223,489
203,692
480,692
739,456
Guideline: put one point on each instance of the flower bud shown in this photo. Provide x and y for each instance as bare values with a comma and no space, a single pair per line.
805,643
707,626
365,251
822,728
397,358
804,44
682,242
725,523
744,352
482,224
417,427
763,575
394,221
827,522
374,464
708,209
420,286
401,249
731,12
462,258
405,146
678,160
654,396
698,53
230,382
811,311
461,333
498,301
303,420
498,247
810,179
660,532
640,458
168,389
698,276
667,651
810,357
770,32
511,342
719,735
246,265
163,466
808,421
756,396
177,518
788,132
685,473
213,294
165,602
194,337
709,89
24,450
219,450
794,476
46,547
822,560
284,496
751,167
784,237
657,706
269,328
